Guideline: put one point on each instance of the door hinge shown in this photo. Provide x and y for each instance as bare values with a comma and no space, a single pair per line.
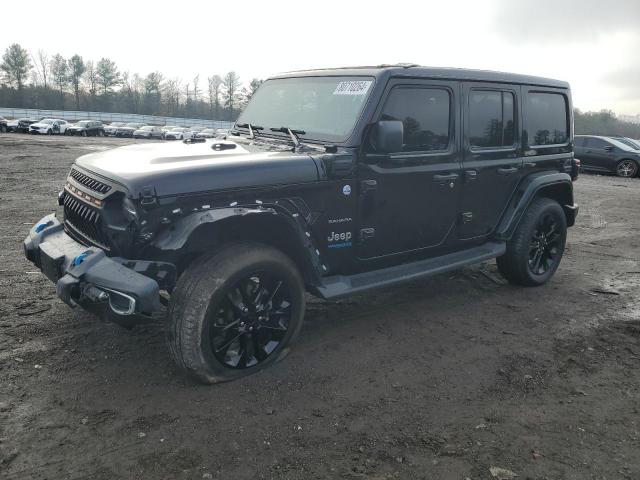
367,233
148,196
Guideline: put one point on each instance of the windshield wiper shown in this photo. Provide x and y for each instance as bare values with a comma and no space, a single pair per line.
292,133
252,128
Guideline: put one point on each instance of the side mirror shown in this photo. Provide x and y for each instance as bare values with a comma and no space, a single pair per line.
387,136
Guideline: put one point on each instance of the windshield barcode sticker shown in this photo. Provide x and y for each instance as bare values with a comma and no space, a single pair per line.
352,88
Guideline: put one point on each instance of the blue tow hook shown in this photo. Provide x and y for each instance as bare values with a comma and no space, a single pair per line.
42,226
80,258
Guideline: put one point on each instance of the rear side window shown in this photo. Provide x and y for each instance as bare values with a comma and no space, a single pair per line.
424,113
491,119
547,118
597,143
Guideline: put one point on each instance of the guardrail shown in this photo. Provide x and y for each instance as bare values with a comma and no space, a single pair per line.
113,117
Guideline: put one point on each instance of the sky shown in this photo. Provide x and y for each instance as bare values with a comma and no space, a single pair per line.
593,44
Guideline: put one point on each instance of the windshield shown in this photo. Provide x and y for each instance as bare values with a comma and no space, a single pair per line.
83,123
146,128
325,108
47,121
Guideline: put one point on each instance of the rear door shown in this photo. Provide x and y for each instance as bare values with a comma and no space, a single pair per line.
492,157
600,153
408,198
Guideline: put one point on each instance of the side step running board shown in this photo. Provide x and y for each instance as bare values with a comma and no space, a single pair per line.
339,286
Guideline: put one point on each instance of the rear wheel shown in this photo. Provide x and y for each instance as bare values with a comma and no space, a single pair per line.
535,250
235,312
627,168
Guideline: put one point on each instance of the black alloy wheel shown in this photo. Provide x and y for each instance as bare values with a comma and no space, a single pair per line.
545,246
250,321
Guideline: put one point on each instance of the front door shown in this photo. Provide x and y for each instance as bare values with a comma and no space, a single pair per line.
408,198
492,156
599,154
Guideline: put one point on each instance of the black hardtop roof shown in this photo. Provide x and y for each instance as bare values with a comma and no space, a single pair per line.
416,71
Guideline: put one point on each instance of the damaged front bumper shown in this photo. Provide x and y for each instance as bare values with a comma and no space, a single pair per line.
86,276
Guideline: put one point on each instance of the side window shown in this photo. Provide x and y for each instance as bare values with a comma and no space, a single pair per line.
491,118
424,113
598,143
547,118
579,142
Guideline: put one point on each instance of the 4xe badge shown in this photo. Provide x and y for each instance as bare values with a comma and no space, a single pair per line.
346,190
339,240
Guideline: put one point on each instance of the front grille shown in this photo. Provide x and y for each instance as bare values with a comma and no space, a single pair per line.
89,182
83,220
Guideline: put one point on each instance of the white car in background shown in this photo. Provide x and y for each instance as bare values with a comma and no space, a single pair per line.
112,128
49,126
206,133
178,133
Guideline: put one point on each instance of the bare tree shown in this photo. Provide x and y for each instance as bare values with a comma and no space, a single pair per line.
41,64
91,79
59,72
231,84
214,83
196,92
153,92
172,94
76,71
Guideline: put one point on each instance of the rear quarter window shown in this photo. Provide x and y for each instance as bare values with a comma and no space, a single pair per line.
547,118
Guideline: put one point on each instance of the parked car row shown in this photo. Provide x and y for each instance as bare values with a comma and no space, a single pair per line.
85,128
619,155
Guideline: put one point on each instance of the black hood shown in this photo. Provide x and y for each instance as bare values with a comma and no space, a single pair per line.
179,168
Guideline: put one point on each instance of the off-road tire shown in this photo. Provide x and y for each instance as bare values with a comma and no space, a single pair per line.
514,265
203,286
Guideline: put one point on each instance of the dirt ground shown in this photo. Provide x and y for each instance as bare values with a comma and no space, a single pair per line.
438,379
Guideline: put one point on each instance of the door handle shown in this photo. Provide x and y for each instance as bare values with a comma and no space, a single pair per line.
451,177
470,175
507,171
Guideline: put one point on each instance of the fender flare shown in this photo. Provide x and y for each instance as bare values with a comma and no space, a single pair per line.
556,185
178,236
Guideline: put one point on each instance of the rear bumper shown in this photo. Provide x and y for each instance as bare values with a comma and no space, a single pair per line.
85,276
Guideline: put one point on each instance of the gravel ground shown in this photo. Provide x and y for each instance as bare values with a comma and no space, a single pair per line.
448,378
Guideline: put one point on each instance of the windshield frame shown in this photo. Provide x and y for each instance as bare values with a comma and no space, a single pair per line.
313,137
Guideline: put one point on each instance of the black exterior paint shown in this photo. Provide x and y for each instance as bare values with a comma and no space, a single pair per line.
342,208
602,154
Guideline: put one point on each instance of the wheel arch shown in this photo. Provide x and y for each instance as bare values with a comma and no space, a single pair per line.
198,234
556,186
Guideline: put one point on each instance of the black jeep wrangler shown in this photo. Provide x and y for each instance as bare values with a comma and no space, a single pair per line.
332,182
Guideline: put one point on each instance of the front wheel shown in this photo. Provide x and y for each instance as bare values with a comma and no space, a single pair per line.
235,312
627,168
535,250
